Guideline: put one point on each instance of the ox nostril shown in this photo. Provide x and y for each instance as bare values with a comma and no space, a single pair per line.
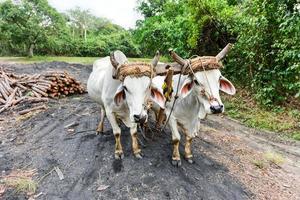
216,109
137,118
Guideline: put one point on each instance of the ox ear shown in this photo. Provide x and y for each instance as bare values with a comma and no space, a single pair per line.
226,86
119,95
186,87
158,97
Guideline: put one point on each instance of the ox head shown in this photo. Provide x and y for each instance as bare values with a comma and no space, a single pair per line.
206,83
136,88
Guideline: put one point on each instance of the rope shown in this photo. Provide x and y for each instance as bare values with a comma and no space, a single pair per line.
176,97
134,70
209,96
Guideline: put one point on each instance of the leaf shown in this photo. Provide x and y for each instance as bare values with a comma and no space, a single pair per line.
102,187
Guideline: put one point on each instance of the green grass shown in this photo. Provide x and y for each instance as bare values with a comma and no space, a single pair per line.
285,121
81,60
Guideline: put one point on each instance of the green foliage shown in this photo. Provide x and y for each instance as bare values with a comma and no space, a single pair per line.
268,49
166,26
266,35
26,24
34,24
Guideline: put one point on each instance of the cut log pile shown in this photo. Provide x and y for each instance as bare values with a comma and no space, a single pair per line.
16,89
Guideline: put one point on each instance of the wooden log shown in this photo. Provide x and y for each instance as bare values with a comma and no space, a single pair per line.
44,89
23,112
36,94
51,78
2,84
45,81
53,95
161,69
21,86
20,93
7,80
48,85
2,101
36,100
16,101
3,93
9,100
40,91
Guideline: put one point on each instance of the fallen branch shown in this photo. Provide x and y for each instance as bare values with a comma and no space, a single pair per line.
23,112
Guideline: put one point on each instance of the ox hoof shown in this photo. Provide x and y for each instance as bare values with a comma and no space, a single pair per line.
190,160
176,163
139,155
99,132
119,156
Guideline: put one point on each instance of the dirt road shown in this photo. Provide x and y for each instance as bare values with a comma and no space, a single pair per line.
226,155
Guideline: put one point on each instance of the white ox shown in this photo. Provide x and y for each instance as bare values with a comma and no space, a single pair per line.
121,100
198,95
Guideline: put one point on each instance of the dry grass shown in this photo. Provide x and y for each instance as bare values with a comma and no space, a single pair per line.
28,115
20,180
259,163
274,158
267,159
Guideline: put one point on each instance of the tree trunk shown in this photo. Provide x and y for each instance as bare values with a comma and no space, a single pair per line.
85,35
30,51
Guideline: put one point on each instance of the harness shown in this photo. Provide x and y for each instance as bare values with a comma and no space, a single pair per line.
137,69
192,65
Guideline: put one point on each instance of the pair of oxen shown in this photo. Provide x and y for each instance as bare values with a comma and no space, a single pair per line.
123,91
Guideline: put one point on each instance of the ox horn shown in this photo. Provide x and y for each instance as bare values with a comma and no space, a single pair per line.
156,59
177,58
113,60
224,52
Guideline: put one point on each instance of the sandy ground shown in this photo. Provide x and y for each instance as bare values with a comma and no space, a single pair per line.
226,155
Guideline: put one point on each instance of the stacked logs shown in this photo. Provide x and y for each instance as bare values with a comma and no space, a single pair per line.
36,88
62,84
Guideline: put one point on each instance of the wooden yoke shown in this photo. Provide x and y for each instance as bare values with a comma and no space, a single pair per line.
167,91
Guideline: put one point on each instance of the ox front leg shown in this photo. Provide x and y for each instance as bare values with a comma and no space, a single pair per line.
117,133
175,141
135,144
187,149
100,127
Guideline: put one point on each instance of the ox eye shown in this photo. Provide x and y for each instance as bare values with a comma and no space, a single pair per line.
125,88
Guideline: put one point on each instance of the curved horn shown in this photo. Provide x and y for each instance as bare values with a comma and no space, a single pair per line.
224,52
177,58
156,59
113,60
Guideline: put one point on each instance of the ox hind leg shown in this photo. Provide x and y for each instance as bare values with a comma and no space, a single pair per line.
100,127
117,133
175,141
